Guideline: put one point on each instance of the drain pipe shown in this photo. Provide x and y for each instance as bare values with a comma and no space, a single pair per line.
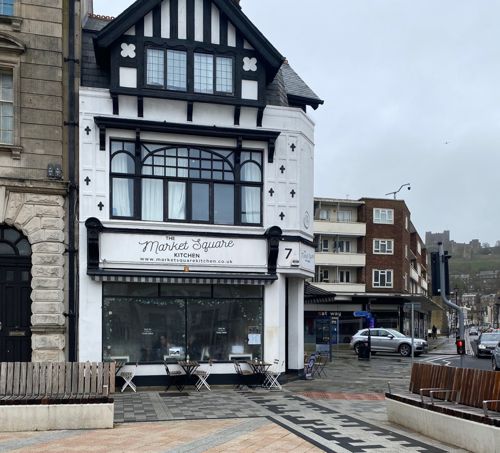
72,124
447,302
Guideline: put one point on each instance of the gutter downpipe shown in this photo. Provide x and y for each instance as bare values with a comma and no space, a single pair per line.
448,302
73,125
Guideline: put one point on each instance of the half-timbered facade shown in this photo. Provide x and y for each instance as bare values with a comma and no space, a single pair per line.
196,189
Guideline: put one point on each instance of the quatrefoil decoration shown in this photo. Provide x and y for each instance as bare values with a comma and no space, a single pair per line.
128,50
249,64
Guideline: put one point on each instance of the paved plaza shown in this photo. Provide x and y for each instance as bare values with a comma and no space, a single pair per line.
343,412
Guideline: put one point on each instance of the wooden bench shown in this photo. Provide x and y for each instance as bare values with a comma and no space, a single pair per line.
461,392
458,406
56,383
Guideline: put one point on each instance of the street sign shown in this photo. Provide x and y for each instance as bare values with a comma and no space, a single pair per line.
362,314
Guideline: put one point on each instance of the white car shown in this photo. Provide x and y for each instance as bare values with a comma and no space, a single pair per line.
473,331
388,340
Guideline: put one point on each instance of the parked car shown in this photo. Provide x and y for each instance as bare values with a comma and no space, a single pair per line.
388,340
473,331
487,343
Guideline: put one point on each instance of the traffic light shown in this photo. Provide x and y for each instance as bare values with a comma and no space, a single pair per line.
436,273
460,346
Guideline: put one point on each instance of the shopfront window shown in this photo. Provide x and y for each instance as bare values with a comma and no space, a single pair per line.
152,323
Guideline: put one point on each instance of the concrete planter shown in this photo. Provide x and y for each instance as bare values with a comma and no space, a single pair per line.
466,434
45,417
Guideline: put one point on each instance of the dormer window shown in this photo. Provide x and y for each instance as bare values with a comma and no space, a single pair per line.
7,7
175,69
205,78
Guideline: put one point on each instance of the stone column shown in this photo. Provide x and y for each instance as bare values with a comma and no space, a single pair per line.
41,218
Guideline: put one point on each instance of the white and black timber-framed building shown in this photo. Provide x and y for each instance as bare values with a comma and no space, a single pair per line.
196,190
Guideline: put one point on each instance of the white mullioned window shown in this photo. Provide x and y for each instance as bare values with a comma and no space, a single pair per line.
344,215
7,7
383,246
383,215
6,107
382,278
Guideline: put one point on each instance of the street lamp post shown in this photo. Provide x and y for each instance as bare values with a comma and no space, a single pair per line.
396,191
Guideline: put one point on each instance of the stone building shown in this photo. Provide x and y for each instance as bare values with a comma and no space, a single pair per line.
32,181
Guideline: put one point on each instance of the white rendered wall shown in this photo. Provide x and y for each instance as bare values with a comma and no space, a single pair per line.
295,323
274,320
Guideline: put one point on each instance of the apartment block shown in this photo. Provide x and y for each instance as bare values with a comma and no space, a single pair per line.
371,258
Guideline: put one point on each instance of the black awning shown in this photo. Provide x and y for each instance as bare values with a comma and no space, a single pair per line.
193,278
315,295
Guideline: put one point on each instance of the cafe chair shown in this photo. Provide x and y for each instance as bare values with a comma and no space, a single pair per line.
128,375
319,366
174,377
243,375
272,375
202,376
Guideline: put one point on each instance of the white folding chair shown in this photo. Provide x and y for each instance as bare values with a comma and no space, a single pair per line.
202,376
127,375
272,376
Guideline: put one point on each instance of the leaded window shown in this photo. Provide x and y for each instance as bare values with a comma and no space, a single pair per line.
210,76
173,76
158,182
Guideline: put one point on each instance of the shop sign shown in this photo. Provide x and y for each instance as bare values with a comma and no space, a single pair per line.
296,255
170,252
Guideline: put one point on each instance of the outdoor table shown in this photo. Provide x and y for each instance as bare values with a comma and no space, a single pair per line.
259,368
189,367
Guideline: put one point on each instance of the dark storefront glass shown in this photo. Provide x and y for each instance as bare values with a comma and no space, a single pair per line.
151,323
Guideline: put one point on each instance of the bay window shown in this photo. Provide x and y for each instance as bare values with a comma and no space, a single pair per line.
156,182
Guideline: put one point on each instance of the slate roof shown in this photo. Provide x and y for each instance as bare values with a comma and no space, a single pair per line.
287,88
297,89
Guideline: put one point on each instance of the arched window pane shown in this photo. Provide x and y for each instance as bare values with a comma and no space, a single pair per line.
250,172
6,249
122,163
24,247
11,235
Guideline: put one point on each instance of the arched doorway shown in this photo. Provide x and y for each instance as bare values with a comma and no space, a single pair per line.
15,291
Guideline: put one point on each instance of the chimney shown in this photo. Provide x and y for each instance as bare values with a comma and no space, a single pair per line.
87,8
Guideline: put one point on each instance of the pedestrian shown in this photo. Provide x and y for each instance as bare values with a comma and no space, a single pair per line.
434,331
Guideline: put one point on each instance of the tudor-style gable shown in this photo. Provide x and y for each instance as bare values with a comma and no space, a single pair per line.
191,50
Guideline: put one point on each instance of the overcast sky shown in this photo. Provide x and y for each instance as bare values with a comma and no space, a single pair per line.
411,91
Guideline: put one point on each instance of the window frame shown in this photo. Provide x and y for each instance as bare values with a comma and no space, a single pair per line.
12,64
13,6
137,176
214,56
378,250
379,213
377,275
164,86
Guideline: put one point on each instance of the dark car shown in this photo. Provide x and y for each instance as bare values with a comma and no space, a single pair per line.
487,343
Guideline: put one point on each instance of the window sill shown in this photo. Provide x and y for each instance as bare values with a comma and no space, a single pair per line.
13,149
14,21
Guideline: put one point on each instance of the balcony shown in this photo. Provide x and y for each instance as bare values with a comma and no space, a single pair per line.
413,274
423,284
340,259
338,288
340,228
